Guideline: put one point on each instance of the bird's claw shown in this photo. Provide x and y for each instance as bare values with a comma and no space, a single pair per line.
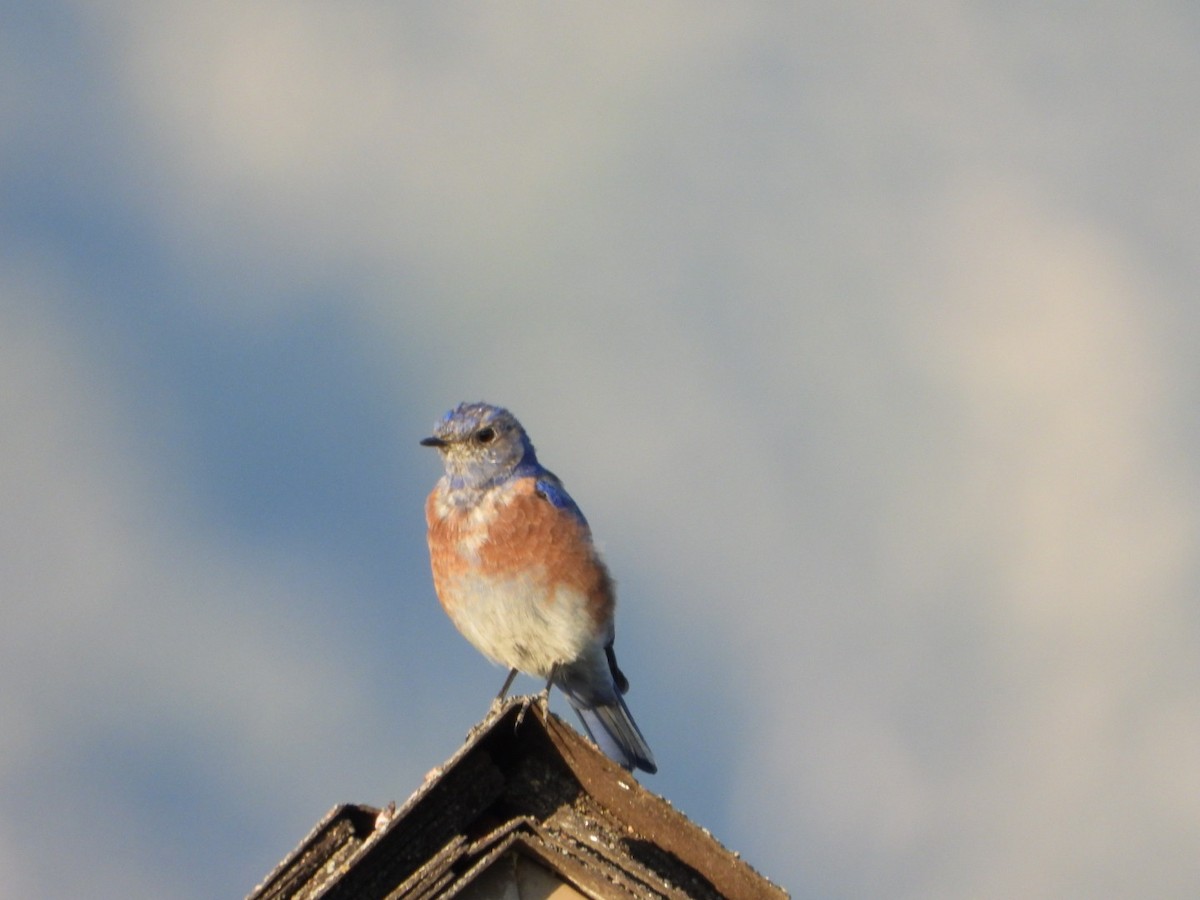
541,700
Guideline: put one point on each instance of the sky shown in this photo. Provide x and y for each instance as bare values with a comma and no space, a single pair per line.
864,335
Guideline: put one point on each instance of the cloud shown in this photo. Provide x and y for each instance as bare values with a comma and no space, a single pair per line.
136,647
1035,569
861,340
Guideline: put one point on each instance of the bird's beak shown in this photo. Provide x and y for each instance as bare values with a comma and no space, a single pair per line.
434,442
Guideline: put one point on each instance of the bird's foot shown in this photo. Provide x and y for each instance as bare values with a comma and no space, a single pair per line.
526,702
541,698
494,709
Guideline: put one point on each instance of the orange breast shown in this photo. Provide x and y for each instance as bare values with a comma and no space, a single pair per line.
513,531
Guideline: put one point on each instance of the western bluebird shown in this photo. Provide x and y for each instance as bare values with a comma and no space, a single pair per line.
515,569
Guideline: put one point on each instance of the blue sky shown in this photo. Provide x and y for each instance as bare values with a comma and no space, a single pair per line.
865,338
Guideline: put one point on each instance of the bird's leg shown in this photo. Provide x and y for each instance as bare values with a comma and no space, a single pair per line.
544,696
512,674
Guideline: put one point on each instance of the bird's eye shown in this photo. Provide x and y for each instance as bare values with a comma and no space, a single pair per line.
485,435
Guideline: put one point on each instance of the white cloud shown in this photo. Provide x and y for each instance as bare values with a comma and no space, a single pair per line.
852,334
1051,506
127,630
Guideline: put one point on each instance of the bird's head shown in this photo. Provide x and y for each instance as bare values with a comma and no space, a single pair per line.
480,445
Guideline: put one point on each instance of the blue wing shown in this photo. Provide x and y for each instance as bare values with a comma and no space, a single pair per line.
551,489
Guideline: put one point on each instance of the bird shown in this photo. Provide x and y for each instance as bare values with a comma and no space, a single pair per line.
516,570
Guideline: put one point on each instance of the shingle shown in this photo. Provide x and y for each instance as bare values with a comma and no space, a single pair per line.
521,787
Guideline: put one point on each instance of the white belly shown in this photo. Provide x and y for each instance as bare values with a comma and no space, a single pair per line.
518,623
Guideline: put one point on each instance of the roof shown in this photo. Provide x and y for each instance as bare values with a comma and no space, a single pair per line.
528,801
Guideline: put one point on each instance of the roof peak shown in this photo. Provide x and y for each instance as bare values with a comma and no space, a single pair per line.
524,787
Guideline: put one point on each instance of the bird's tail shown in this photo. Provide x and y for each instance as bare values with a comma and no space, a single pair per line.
610,725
